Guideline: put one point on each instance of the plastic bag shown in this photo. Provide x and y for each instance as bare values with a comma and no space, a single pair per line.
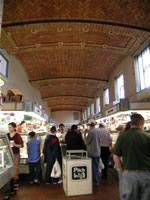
56,170
101,165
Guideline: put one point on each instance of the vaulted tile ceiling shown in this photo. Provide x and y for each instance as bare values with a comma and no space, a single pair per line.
69,48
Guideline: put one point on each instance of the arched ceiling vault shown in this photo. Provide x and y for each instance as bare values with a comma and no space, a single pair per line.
70,48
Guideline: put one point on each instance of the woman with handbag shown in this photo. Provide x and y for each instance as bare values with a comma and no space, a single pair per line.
52,157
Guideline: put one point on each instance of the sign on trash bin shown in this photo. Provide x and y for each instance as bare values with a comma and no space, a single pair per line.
79,173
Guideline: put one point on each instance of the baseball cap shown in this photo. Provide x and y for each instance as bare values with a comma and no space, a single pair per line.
91,122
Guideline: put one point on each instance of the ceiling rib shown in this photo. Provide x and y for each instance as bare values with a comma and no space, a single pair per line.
80,45
76,105
68,78
61,96
65,109
83,21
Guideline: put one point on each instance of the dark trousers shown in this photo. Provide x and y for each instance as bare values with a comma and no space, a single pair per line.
35,171
95,170
105,153
9,187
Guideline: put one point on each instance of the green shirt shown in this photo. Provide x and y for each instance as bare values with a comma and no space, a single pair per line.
134,148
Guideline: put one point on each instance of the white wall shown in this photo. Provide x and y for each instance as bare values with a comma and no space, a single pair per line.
126,66
18,79
65,117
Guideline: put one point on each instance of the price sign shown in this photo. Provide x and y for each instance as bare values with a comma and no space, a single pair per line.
79,173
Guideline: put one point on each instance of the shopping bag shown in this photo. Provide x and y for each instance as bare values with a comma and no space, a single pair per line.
101,165
56,170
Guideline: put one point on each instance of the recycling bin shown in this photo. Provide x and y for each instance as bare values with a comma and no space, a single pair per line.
77,173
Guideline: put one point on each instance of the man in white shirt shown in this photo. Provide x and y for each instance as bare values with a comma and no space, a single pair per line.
106,144
61,133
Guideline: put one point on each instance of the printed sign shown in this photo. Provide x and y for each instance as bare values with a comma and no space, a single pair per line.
79,173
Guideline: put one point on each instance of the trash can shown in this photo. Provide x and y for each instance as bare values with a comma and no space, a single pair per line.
77,173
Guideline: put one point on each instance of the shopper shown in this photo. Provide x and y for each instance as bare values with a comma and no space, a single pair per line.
128,126
33,149
134,148
93,148
61,133
16,143
106,144
52,152
120,129
22,128
74,139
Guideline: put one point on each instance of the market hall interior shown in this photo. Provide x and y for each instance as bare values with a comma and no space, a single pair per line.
69,61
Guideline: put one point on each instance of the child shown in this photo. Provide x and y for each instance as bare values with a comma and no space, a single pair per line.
33,149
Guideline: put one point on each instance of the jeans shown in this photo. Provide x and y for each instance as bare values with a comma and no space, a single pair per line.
35,171
135,185
95,170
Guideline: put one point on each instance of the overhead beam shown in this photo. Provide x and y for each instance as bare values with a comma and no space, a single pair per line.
67,78
81,21
66,106
70,45
76,105
66,109
61,96
66,98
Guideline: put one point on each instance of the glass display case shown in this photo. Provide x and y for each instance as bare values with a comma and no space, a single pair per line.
6,162
23,151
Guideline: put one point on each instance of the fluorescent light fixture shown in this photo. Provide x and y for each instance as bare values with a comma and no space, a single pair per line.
34,115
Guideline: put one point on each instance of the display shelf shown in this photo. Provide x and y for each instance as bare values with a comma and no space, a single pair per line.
6,162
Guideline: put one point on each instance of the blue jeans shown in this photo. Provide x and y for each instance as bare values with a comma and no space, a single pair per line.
135,185
95,170
35,171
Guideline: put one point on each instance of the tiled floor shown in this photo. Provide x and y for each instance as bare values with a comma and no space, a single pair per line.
108,190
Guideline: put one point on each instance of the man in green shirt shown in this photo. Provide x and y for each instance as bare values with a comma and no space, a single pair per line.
132,158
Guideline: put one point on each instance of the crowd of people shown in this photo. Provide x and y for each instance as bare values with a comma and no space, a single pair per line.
131,155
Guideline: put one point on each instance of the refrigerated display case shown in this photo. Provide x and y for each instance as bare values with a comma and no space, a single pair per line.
6,161
32,121
117,120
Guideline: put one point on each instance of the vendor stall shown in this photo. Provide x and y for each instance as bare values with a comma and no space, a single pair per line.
32,121
116,117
